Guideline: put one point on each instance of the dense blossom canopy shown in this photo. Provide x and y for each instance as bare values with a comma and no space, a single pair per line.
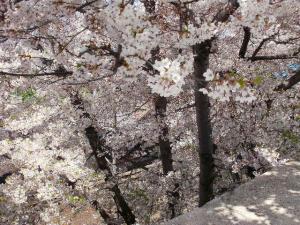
115,57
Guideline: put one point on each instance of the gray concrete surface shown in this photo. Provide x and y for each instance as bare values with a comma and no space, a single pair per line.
270,199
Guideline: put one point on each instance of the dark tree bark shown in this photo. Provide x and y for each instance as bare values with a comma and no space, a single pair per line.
128,164
149,5
164,143
291,82
243,49
4,176
166,153
205,147
224,14
123,208
160,104
97,146
106,217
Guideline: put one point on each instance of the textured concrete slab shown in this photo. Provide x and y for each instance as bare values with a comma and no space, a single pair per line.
270,199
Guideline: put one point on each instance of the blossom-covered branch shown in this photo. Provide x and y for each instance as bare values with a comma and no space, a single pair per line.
291,82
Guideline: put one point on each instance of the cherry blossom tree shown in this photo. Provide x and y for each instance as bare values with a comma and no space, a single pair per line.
92,89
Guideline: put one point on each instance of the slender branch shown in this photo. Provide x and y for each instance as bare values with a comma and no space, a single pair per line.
136,109
259,47
63,47
89,81
288,41
185,107
27,30
80,8
139,162
254,56
272,2
273,57
58,73
190,2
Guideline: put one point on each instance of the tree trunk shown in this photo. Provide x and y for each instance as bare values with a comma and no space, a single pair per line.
96,143
166,154
164,143
205,144
246,39
123,208
96,146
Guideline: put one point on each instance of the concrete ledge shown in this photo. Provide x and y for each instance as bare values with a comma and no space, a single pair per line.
270,199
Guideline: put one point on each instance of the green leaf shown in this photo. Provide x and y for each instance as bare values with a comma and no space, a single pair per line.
2,199
25,95
241,82
139,193
28,94
13,117
74,199
78,65
233,74
289,135
258,80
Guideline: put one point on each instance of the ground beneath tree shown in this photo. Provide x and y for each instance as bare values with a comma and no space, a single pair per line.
270,199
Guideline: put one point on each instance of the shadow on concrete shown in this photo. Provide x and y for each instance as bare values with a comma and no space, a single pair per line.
270,199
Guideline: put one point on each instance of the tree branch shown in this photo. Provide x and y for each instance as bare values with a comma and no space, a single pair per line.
273,57
138,162
185,107
295,79
259,47
243,49
57,73
80,8
224,14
